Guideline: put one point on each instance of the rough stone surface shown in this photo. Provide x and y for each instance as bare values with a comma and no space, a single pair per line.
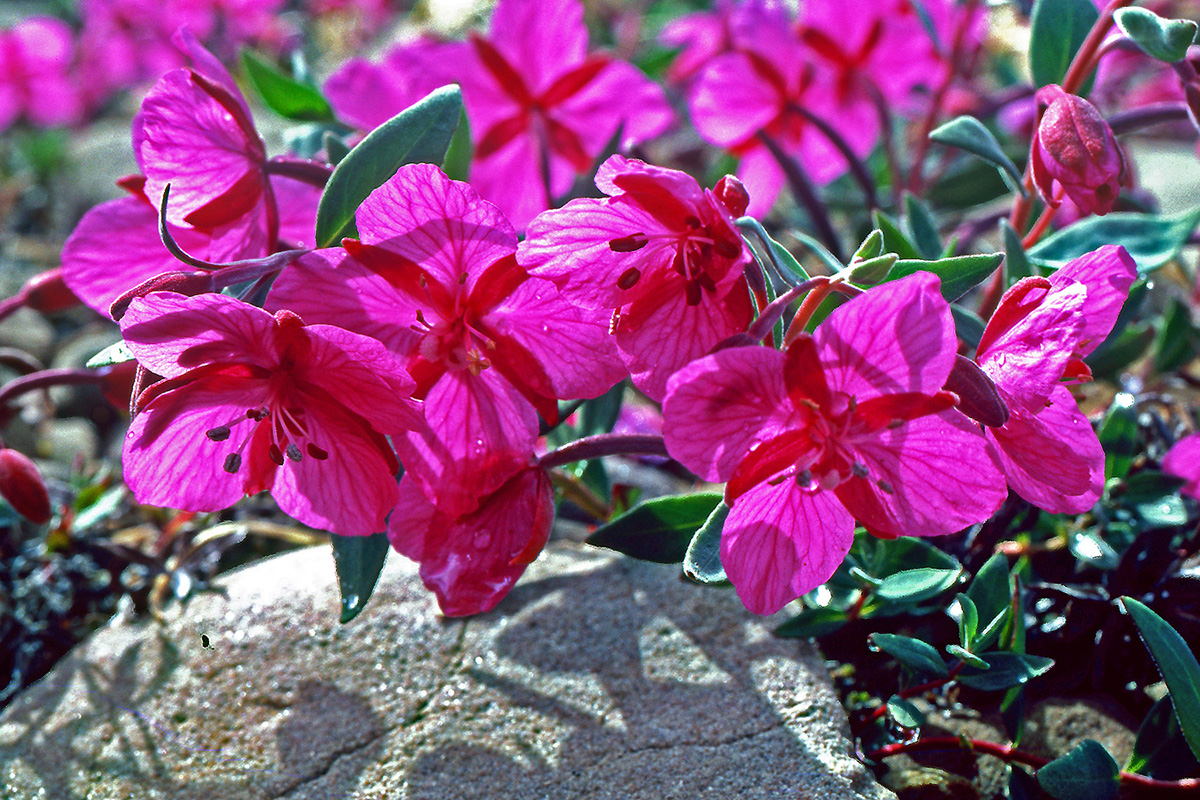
598,677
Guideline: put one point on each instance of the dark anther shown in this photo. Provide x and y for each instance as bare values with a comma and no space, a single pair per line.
218,434
257,414
293,452
276,454
316,452
728,248
629,278
628,244
692,292
233,462
705,280
693,222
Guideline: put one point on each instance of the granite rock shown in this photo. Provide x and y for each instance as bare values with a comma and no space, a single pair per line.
598,677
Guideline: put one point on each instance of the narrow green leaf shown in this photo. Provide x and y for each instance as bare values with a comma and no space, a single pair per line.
904,712
968,325
1088,772
1164,39
1178,340
1119,436
335,148
895,240
967,657
1151,239
1057,28
959,274
457,163
923,227
912,653
1153,497
419,134
1179,668
1119,351
599,414
359,560
117,353
991,631
1160,750
284,95
658,530
1004,670
812,623
915,585
989,588
1016,265
968,133
968,620
702,563
871,247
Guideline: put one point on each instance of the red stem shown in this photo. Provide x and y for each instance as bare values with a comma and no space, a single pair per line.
604,444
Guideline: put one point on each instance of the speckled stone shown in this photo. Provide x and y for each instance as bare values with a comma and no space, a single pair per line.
598,677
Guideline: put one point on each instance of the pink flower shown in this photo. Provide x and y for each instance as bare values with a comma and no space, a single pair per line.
1183,461
434,276
253,402
662,252
35,74
1034,342
1074,152
850,423
531,103
471,559
367,95
701,37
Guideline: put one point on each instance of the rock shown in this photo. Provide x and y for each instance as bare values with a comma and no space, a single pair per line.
598,677
27,330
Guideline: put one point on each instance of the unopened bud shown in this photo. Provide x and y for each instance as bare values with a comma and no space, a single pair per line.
871,247
1075,149
48,293
185,283
732,194
22,486
873,270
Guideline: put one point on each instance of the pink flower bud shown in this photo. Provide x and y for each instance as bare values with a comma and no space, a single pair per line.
48,293
22,486
1075,149
732,194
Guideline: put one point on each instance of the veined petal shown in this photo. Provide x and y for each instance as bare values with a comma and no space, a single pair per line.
620,95
653,358
520,31
781,541
170,334
930,476
1183,461
168,460
512,178
297,203
732,100
443,225
475,559
1053,458
1107,272
669,194
719,406
898,337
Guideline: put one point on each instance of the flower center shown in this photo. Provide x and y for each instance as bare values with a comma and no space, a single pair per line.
285,435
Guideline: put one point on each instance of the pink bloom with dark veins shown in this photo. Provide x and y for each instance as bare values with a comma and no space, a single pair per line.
850,423
36,84
434,276
252,402
1034,342
366,94
537,99
660,255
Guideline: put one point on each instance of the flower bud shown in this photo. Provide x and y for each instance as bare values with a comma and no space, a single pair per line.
22,486
733,195
1075,149
48,293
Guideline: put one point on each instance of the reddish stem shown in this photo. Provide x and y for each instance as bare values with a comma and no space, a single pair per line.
604,444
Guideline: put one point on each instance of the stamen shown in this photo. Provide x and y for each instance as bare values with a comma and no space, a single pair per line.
218,434
614,322
693,293
886,487
257,414
629,278
233,462
293,452
803,478
275,454
316,452
860,470
628,244
727,248
462,279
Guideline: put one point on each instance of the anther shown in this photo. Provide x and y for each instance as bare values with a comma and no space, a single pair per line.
693,293
257,414
728,248
293,452
628,244
316,452
886,487
462,279
629,278
218,434
275,454
233,463
803,478
860,470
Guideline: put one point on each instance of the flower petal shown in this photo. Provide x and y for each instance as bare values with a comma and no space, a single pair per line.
1107,272
1183,461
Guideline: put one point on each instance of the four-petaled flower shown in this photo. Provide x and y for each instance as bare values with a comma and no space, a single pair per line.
660,251
849,423
1034,342
252,402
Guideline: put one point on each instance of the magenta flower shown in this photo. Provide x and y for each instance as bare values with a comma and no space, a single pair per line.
1074,153
471,560
1033,343
1183,461
35,74
253,402
532,104
701,37
850,423
660,255
435,278
366,94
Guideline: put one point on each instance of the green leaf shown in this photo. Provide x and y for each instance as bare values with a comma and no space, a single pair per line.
1177,341
812,623
883,557
915,585
904,712
1057,28
968,133
284,95
1151,239
1154,497
702,563
335,147
1118,352
923,227
658,530
968,620
1165,39
419,134
913,653
871,247
457,163
1015,262
1004,670
1089,547
1160,750
359,560
117,353
1119,436
1088,772
989,588
968,325
958,273
895,240
599,414
1179,668
967,657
